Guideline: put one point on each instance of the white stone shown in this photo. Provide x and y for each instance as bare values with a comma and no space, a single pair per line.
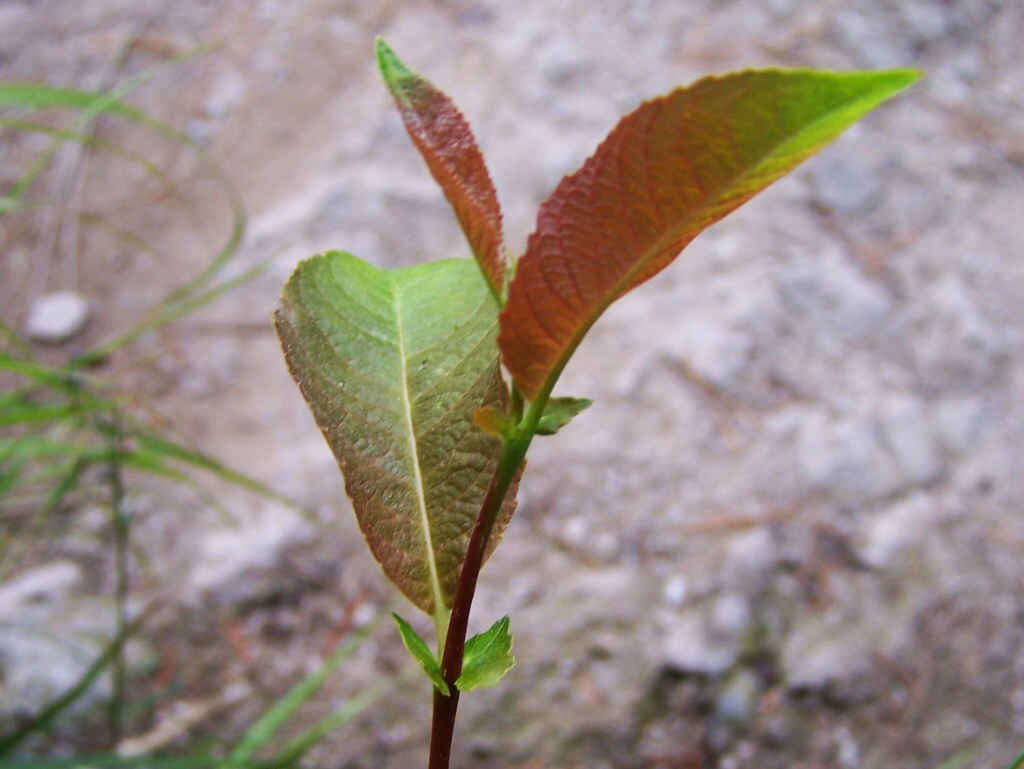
837,298
848,750
906,432
57,317
897,531
227,93
844,184
675,590
958,423
224,557
730,616
688,648
738,699
751,552
45,584
846,458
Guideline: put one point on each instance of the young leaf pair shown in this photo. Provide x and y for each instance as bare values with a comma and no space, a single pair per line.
488,657
402,367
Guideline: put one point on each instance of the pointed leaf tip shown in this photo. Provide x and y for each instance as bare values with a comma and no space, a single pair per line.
669,169
446,142
391,67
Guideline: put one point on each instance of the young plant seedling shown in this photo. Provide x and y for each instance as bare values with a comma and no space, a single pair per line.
402,368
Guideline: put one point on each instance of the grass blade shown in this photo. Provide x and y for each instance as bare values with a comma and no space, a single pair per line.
294,750
76,136
38,96
46,412
268,724
168,311
47,715
153,445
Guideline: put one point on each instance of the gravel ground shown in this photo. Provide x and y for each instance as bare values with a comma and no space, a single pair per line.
789,532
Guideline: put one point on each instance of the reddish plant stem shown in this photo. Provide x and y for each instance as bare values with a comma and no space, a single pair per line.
445,707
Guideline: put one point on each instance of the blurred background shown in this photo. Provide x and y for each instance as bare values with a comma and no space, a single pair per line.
787,534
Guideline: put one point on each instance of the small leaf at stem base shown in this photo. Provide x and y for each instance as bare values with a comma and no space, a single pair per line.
487,658
420,652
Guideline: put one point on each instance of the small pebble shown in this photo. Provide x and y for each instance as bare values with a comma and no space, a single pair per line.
57,317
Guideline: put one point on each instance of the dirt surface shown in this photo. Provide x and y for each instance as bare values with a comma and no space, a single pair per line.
789,532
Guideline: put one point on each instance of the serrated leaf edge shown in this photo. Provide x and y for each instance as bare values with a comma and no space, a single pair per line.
499,632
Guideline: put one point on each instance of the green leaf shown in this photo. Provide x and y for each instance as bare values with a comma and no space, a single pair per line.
488,657
559,412
422,654
667,171
393,364
445,141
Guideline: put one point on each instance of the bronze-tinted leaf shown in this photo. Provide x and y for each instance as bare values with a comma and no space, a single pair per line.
668,170
445,141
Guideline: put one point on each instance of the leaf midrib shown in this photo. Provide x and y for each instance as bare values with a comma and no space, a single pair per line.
435,582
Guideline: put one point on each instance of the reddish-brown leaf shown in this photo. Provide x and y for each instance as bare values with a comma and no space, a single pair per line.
445,141
667,171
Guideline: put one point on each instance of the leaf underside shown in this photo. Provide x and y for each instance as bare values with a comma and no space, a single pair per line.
444,139
667,171
487,658
393,363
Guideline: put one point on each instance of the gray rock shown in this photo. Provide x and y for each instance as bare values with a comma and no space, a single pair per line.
955,344
751,553
847,749
843,183
47,584
57,317
737,701
894,533
846,458
688,647
841,304
730,617
227,93
229,562
927,22
675,590
818,654
958,423
906,432
715,351
38,665
561,61
873,38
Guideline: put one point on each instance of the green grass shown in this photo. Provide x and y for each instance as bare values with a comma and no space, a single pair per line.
70,434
